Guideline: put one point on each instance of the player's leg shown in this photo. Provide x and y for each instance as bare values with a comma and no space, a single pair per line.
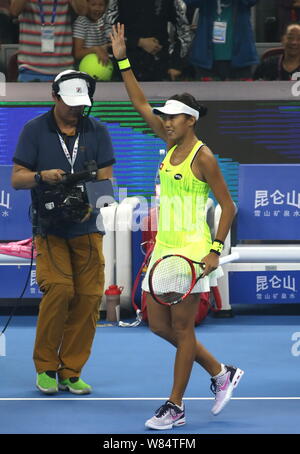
183,328
224,378
161,324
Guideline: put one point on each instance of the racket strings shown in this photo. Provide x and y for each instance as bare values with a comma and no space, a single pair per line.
172,279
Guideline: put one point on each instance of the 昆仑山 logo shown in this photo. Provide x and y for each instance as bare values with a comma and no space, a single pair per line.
4,203
277,287
277,203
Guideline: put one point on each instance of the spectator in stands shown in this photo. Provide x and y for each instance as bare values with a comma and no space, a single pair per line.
152,55
45,37
224,45
288,11
89,32
284,65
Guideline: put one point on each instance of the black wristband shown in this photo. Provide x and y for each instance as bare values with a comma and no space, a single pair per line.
38,178
219,241
215,252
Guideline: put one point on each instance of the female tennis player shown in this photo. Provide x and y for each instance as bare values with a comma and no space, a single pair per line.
187,174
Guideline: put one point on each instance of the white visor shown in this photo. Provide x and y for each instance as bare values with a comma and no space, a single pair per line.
74,92
173,107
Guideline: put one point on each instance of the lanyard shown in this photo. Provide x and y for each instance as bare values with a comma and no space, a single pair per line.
42,14
220,7
66,151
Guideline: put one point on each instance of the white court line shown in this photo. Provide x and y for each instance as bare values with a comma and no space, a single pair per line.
136,398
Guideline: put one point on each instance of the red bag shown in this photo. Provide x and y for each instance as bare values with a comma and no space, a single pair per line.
23,248
208,301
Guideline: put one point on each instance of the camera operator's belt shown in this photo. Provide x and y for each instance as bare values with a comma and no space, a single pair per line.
67,153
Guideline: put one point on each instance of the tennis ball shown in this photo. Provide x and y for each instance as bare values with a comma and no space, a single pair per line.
91,65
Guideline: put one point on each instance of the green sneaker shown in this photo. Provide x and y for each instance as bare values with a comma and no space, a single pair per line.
75,385
46,382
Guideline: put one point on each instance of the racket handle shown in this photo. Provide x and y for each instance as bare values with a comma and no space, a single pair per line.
229,258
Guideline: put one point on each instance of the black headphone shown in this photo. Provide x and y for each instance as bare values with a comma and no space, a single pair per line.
90,81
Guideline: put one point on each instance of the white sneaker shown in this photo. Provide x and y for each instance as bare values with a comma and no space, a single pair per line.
223,387
166,417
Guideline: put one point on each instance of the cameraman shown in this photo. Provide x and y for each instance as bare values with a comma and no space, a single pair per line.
70,263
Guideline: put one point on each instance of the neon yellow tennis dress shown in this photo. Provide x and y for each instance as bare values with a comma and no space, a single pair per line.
182,227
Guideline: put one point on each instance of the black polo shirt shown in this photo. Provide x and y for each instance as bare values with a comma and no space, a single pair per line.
272,69
39,148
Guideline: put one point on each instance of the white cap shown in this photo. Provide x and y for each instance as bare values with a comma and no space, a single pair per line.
173,107
74,92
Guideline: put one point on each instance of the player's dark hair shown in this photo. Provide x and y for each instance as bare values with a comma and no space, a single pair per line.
190,101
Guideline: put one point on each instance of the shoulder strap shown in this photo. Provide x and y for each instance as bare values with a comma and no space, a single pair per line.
196,148
194,151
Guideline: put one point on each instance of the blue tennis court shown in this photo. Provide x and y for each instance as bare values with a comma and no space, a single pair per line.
130,370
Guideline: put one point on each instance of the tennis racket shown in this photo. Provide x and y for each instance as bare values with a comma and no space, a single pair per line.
173,277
